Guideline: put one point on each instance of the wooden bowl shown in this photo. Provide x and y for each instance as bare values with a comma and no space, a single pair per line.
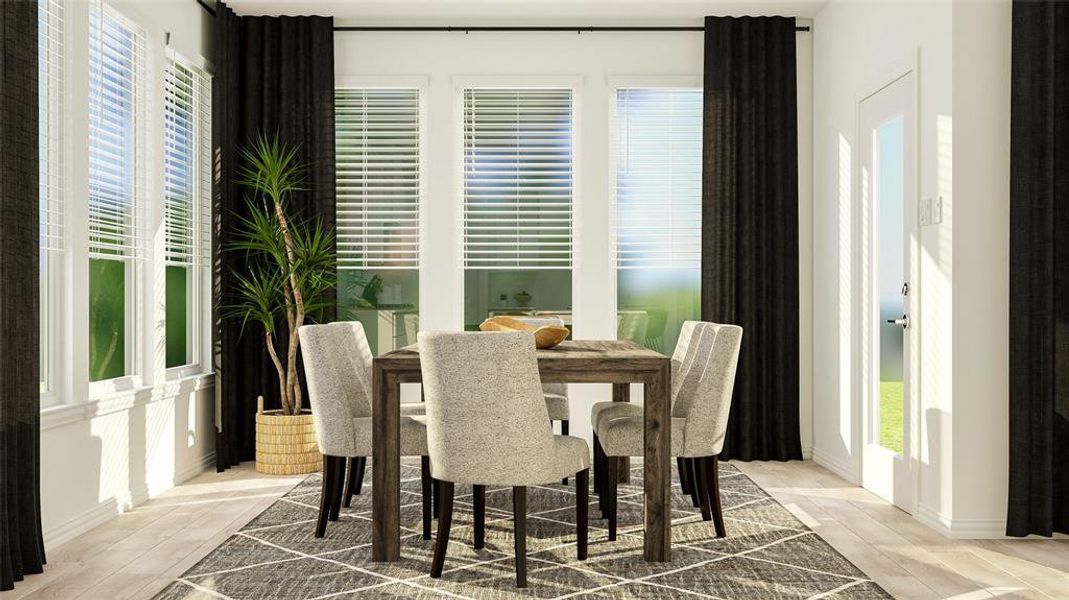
546,336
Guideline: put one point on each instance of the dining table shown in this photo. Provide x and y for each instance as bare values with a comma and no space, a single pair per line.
617,362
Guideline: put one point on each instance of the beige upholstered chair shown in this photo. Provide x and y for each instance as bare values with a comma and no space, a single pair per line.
337,364
486,425
703,377
556,394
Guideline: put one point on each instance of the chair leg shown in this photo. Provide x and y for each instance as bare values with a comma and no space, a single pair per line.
712,466
361,466
703,488
425,484
597,465
350,476
437,497
564,431
445,519
326,497
478,493
692,474
338,475
684,481
582,505
611,479
519,516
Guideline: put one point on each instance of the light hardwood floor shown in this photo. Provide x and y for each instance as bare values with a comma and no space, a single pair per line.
136,554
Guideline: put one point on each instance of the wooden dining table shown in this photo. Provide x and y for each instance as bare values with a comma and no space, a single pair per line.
618,362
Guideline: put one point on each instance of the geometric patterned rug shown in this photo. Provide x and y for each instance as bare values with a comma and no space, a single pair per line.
768,552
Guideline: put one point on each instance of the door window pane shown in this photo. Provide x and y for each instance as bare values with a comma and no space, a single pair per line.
889,174
179,350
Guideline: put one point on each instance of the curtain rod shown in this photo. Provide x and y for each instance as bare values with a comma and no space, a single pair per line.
579,29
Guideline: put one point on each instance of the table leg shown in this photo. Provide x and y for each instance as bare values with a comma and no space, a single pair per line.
386,467
657,468
621,392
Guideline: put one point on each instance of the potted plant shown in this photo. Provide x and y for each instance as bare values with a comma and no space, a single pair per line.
290,273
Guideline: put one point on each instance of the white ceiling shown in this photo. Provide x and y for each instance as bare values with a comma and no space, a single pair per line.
529,12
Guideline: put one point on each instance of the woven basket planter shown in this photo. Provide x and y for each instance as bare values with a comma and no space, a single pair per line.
285,444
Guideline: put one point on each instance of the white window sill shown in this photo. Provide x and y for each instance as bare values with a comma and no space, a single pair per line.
64,414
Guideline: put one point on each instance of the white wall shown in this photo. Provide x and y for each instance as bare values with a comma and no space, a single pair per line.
961,52
443,61
102,454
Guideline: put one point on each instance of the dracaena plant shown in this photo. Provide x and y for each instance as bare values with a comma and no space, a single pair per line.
290,261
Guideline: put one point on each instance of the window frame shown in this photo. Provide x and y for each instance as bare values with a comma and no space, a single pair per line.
200,271
136,264
615,84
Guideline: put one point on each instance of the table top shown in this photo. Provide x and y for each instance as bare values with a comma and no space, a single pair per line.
569,355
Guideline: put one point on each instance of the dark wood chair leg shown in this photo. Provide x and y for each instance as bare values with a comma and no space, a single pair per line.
437,497
684,481
350,480
425,484
582,505
703,488
445,519
337,469
712,465
519,516
326,497
361,466
564,431
611,479
597,465
478,493
692,473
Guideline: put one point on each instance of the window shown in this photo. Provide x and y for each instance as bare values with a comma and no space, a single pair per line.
187,208
658,213
116,189
518,192
378,228
50,33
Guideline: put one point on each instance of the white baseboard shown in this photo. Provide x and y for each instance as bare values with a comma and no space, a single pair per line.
807,453
961,529
836,465
107,510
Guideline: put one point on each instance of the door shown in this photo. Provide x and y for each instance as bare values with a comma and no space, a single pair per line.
887,147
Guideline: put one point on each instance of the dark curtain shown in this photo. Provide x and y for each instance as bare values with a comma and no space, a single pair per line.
21,546
272,75
1039,270
750,225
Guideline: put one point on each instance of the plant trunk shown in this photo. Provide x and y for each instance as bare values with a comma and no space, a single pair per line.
295,320
283,389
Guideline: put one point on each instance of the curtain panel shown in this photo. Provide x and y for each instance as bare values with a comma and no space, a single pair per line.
1039,270
273,75
21,544
749,270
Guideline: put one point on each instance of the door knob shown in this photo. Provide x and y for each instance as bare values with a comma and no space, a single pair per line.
904,321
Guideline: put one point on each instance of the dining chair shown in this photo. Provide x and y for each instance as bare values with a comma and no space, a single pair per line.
702,382
486,426
338,368
556,394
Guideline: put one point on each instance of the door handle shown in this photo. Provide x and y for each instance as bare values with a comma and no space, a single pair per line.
904,321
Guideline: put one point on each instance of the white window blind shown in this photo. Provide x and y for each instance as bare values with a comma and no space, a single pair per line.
187,164
377,171
658,178
50,87
116,146
518,178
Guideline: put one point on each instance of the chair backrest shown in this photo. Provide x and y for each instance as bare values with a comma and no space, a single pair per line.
487,421
631,325
337,366
703,384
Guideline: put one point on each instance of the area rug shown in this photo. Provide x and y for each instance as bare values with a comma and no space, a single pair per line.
768,553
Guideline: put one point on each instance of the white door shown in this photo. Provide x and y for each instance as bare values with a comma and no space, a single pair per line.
888,157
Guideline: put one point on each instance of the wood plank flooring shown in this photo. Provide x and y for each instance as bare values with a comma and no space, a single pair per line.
138,553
